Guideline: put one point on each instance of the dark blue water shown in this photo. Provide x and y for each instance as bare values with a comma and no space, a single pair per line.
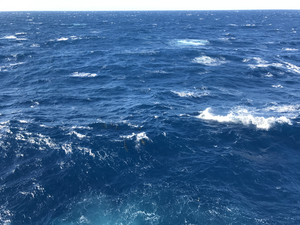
150,117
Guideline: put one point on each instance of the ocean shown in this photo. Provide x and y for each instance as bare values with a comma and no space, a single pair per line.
150,117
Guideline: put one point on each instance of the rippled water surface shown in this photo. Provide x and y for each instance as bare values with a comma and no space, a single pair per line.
150,117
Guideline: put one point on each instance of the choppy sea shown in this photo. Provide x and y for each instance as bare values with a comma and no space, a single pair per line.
169,117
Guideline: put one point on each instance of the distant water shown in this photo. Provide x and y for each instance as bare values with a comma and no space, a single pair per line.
150,117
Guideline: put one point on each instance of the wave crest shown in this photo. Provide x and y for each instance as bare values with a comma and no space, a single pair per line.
244,117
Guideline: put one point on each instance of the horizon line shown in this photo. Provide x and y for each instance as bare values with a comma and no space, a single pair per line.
153,10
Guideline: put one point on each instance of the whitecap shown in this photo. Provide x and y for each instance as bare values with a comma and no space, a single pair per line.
79,24
224,39
292,67
283,108
35,45
74,37
260,63
67,148
21,33
15,64
290,49
77,74
10,37
82,127
140,137
87,151
244,117
62,39
159,71
83,219
130,136
190,94
80,136
193,42
277,86
208,61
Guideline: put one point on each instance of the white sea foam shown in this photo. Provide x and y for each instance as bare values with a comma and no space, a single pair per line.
39,139
77,74
277,86
130,136
141,135
80,136
35,45
10,37
139,138
86,151
208,61
260,63
82,127
5,214
193,42
75,38
224,39
242,116
21,33
84,220
284,108
62,39
67,148
190,94
290,49
15,64
292,67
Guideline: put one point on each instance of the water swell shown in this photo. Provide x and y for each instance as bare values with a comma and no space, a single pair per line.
100,120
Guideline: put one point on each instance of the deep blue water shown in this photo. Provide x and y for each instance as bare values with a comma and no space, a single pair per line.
150,117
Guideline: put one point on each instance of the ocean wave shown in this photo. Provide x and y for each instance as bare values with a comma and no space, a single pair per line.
260,63
293,68
78,74
62,39
5,215
192,42
80,136
244,117
4,68
86,151
35,45
9,37
290,49
190,94
67,148
139,138
20,33
208,61
277,86
283,108
13,37
269,74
